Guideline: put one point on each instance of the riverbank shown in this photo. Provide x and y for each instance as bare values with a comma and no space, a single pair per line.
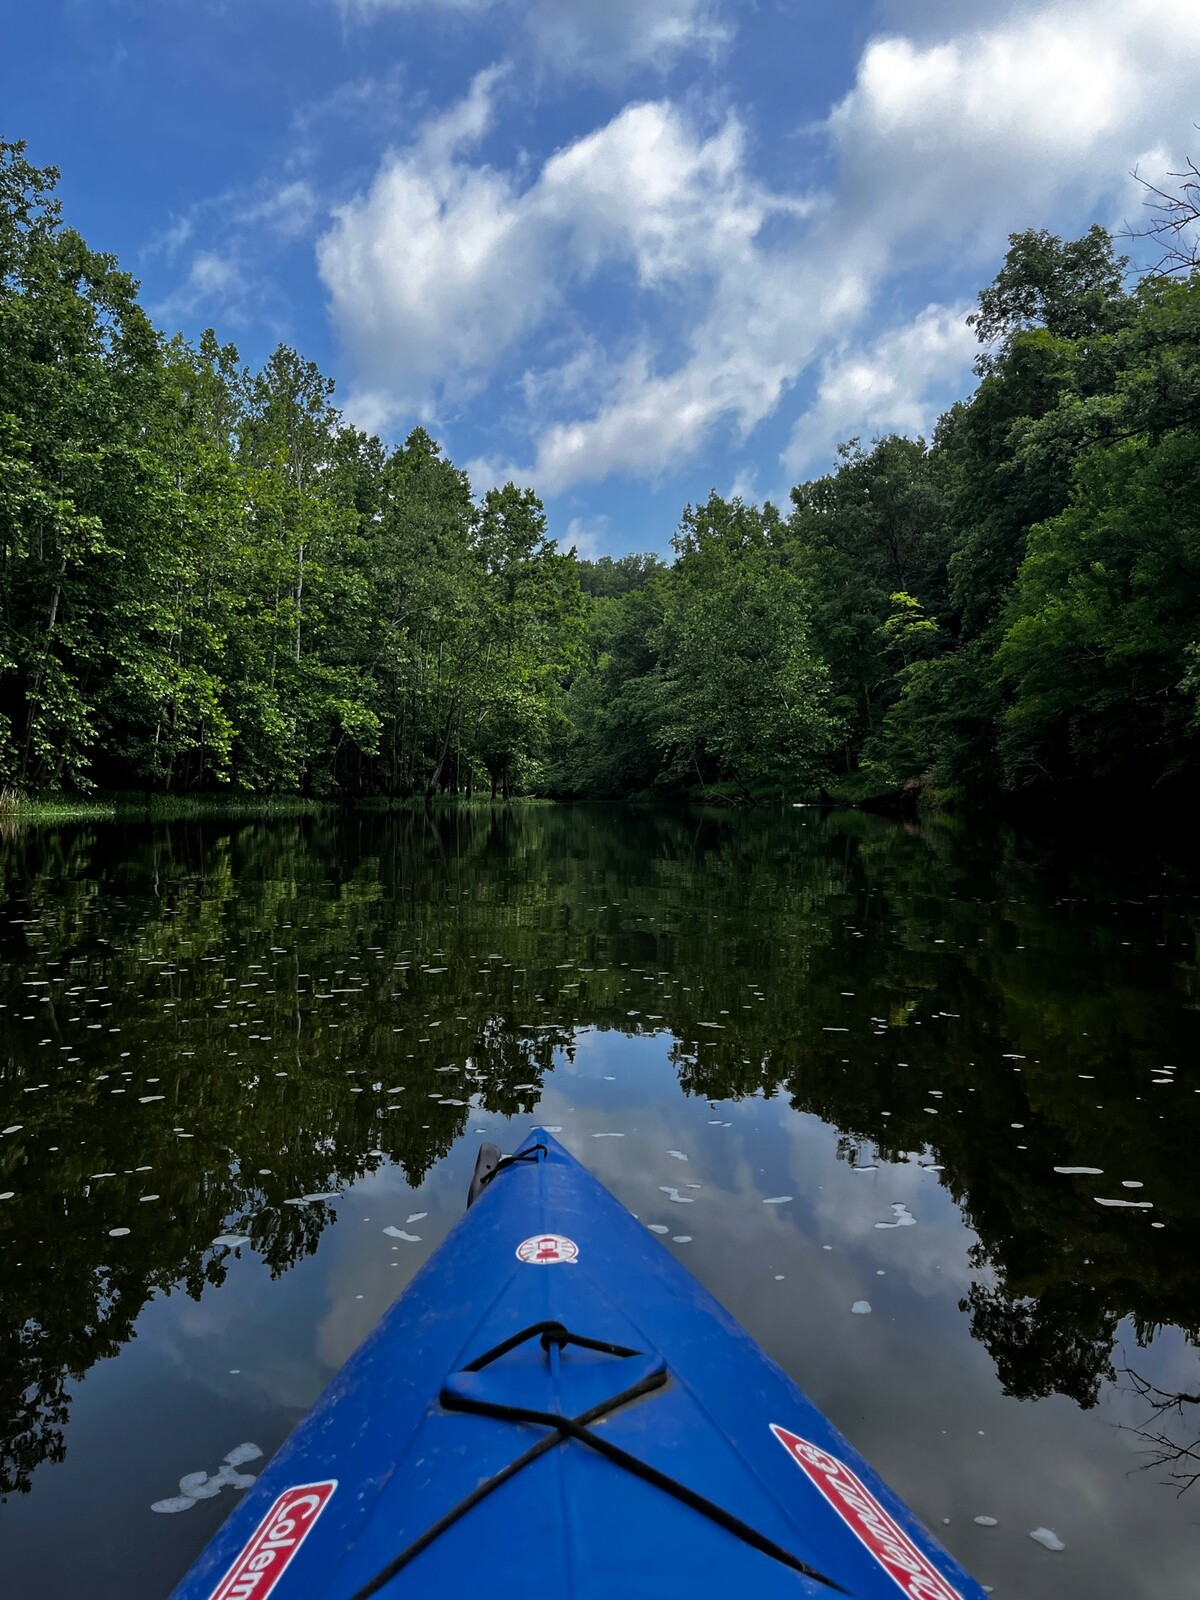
56,809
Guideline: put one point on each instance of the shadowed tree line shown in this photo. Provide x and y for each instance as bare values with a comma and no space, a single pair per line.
1014,605
209,580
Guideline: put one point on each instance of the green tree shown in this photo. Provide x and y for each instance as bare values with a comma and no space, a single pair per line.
744,694
608,744
533,620
876,527
79,370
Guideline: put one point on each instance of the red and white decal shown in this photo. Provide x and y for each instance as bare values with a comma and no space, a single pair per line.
279,1535
547,1250
864,1516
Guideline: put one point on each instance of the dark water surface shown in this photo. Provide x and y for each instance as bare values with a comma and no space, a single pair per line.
858,1054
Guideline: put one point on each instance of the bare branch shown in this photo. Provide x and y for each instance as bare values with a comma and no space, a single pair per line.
1175,223
1182,1460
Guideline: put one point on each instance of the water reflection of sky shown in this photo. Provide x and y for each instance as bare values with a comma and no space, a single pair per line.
907,1382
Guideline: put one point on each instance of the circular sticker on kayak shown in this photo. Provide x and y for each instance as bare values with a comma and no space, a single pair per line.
547,1250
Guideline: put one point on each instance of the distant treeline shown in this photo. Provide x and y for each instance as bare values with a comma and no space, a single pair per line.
208,580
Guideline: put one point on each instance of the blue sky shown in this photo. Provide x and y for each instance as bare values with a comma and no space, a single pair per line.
623,250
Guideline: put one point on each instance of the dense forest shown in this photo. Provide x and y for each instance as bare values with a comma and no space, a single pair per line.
210,581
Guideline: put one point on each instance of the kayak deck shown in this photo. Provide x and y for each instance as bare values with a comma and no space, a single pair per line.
555,1403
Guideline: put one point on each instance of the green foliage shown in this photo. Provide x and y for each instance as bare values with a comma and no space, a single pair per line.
1102,620
703,676
208,581
875,528
745,697
1067,643
606,745
607,579
1073,289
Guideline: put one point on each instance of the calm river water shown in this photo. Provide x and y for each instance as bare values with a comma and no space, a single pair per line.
952,1076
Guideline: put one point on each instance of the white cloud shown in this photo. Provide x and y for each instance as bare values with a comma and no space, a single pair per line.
603,38
723,293
226,242
591,38
588,536
290,210
993,128
897,384
431,275
445,265
172,238
214,282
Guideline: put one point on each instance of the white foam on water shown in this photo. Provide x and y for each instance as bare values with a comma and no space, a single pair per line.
608,1136
986,1522
1047,1538
778,1200
232,1240
678,1154
117,1233
417,1216
861,1308
399,1233
658,1227
902,1215
681,1238
177,1502
242,1453
199,1486
1126,1205
332,1194
674,1194
1081,1172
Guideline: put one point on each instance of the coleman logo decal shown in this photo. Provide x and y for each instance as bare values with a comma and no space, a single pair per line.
274,1542
547,1250
864,1516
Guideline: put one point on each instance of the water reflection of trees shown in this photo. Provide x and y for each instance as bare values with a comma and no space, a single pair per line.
448,961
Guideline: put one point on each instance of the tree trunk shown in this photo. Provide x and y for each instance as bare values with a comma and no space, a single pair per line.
299,593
